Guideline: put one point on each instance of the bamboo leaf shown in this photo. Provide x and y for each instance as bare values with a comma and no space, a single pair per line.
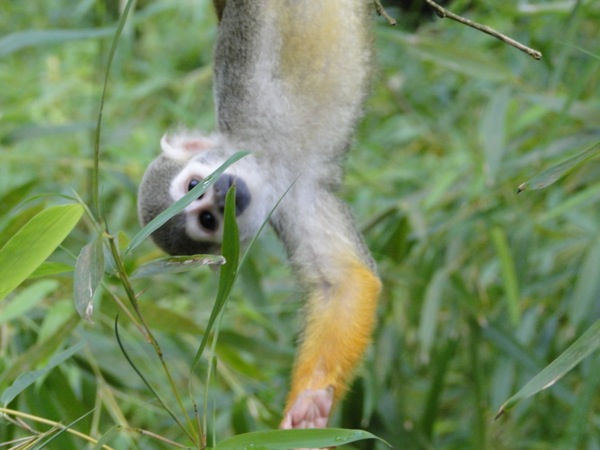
180,204
583,410
39,351
175,264
492,131
31,38
89,270
582,347
16,221
49,268
509,274
286,439
231,253
587,286
455,58
554,173
27,299
28,378
106,436
169,320
33,243
430,310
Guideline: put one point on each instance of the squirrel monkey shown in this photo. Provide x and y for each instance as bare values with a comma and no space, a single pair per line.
290,78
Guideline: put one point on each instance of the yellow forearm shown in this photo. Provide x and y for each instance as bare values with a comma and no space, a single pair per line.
338,329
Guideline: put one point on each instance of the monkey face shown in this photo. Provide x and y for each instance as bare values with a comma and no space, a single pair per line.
183,165
206,213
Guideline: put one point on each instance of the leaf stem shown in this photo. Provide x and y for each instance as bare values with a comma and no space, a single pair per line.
191,431
111,57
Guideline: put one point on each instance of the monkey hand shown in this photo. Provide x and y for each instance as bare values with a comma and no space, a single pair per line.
310,410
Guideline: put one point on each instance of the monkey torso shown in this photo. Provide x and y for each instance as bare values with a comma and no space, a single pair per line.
294,90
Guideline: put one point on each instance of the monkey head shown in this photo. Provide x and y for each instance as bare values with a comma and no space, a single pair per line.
186,160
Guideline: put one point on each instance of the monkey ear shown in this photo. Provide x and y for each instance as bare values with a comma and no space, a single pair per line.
182,146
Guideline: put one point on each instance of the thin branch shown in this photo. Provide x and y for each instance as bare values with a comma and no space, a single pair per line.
382,12
5,412
443,13
157,437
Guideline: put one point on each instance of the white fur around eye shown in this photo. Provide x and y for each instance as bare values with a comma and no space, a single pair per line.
192,170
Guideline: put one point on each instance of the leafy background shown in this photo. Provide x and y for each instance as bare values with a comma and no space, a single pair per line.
483,287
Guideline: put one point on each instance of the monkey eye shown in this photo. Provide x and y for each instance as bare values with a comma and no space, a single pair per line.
192,184
208,221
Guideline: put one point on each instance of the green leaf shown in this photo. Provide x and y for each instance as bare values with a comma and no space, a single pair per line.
231,252
580,199
287,439
16,221
509,274
33,243
106,437
587,286
37,131
554,173
168,320
49,268
492,131
28,378
30,38
455,58
175,264
582,413
430,310
27,299
180,204
56,317
39,351
89,270
582,347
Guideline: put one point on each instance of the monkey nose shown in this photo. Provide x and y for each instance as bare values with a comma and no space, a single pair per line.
242,193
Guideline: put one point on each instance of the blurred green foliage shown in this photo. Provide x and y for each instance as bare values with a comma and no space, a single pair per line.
483,287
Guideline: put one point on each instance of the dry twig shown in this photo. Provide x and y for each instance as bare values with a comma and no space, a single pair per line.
443,13
382,12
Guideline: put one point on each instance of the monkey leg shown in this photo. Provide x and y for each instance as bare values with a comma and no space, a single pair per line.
339,321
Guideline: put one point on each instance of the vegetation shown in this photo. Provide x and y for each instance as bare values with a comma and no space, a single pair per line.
483,287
